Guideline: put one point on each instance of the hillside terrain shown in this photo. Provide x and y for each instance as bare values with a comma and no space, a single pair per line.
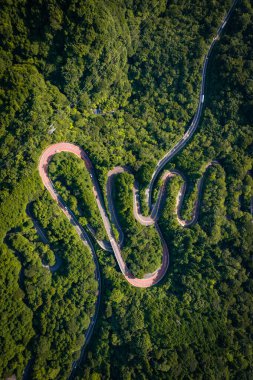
121,79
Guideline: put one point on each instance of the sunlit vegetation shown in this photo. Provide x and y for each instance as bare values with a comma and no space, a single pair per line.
142,249
138,63
72,181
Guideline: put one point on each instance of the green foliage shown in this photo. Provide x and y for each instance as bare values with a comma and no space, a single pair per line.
73,183
189,201
142,249
13,312
213,211
140,63
198,322
62,303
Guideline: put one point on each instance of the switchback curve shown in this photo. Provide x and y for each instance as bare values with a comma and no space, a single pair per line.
47,155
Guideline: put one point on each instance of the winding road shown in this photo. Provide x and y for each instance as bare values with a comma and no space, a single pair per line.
154,209
113,244
76,150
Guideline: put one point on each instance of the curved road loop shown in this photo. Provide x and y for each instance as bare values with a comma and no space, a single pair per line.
71,148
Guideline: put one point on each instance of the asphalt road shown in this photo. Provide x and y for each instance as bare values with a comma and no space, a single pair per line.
155,277
71,148
195,122
154,212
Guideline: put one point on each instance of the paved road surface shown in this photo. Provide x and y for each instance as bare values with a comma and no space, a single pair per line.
71,148
67,147
195,122
155,277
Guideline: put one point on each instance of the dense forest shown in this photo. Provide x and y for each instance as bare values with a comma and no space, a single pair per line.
137,238
121,79
69,175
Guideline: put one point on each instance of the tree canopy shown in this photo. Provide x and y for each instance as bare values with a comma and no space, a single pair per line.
121,80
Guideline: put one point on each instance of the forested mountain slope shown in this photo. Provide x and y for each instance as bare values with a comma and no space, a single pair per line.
138,63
